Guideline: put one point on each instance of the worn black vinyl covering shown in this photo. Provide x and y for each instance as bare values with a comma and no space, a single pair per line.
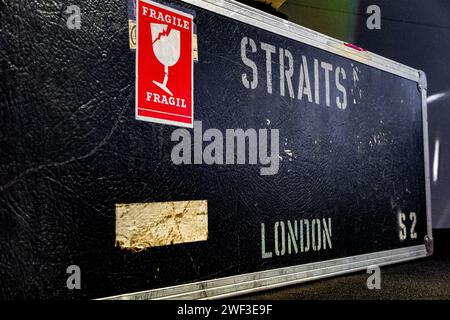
71,149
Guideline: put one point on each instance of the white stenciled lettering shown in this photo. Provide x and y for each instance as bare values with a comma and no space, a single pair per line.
341,102
295,237
304,86
250,63
286,72
327,67
269,49
300,77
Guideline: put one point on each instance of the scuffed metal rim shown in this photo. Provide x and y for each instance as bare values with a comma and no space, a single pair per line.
263,280
251,16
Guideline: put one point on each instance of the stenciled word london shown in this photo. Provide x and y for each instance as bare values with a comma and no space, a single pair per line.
295,237
301,78
227,149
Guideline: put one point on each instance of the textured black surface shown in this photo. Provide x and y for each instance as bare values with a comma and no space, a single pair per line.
71,149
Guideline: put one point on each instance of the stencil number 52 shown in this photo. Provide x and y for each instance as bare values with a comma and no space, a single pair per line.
403,229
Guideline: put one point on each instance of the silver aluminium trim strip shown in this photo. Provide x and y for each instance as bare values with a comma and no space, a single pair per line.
423,90
270,279
260,19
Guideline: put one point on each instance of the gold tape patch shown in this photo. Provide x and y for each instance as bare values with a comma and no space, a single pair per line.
195,48
132,33
146,225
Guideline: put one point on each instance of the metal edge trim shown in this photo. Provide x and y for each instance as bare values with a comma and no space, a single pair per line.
274,278
251,16
299,281
422,84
